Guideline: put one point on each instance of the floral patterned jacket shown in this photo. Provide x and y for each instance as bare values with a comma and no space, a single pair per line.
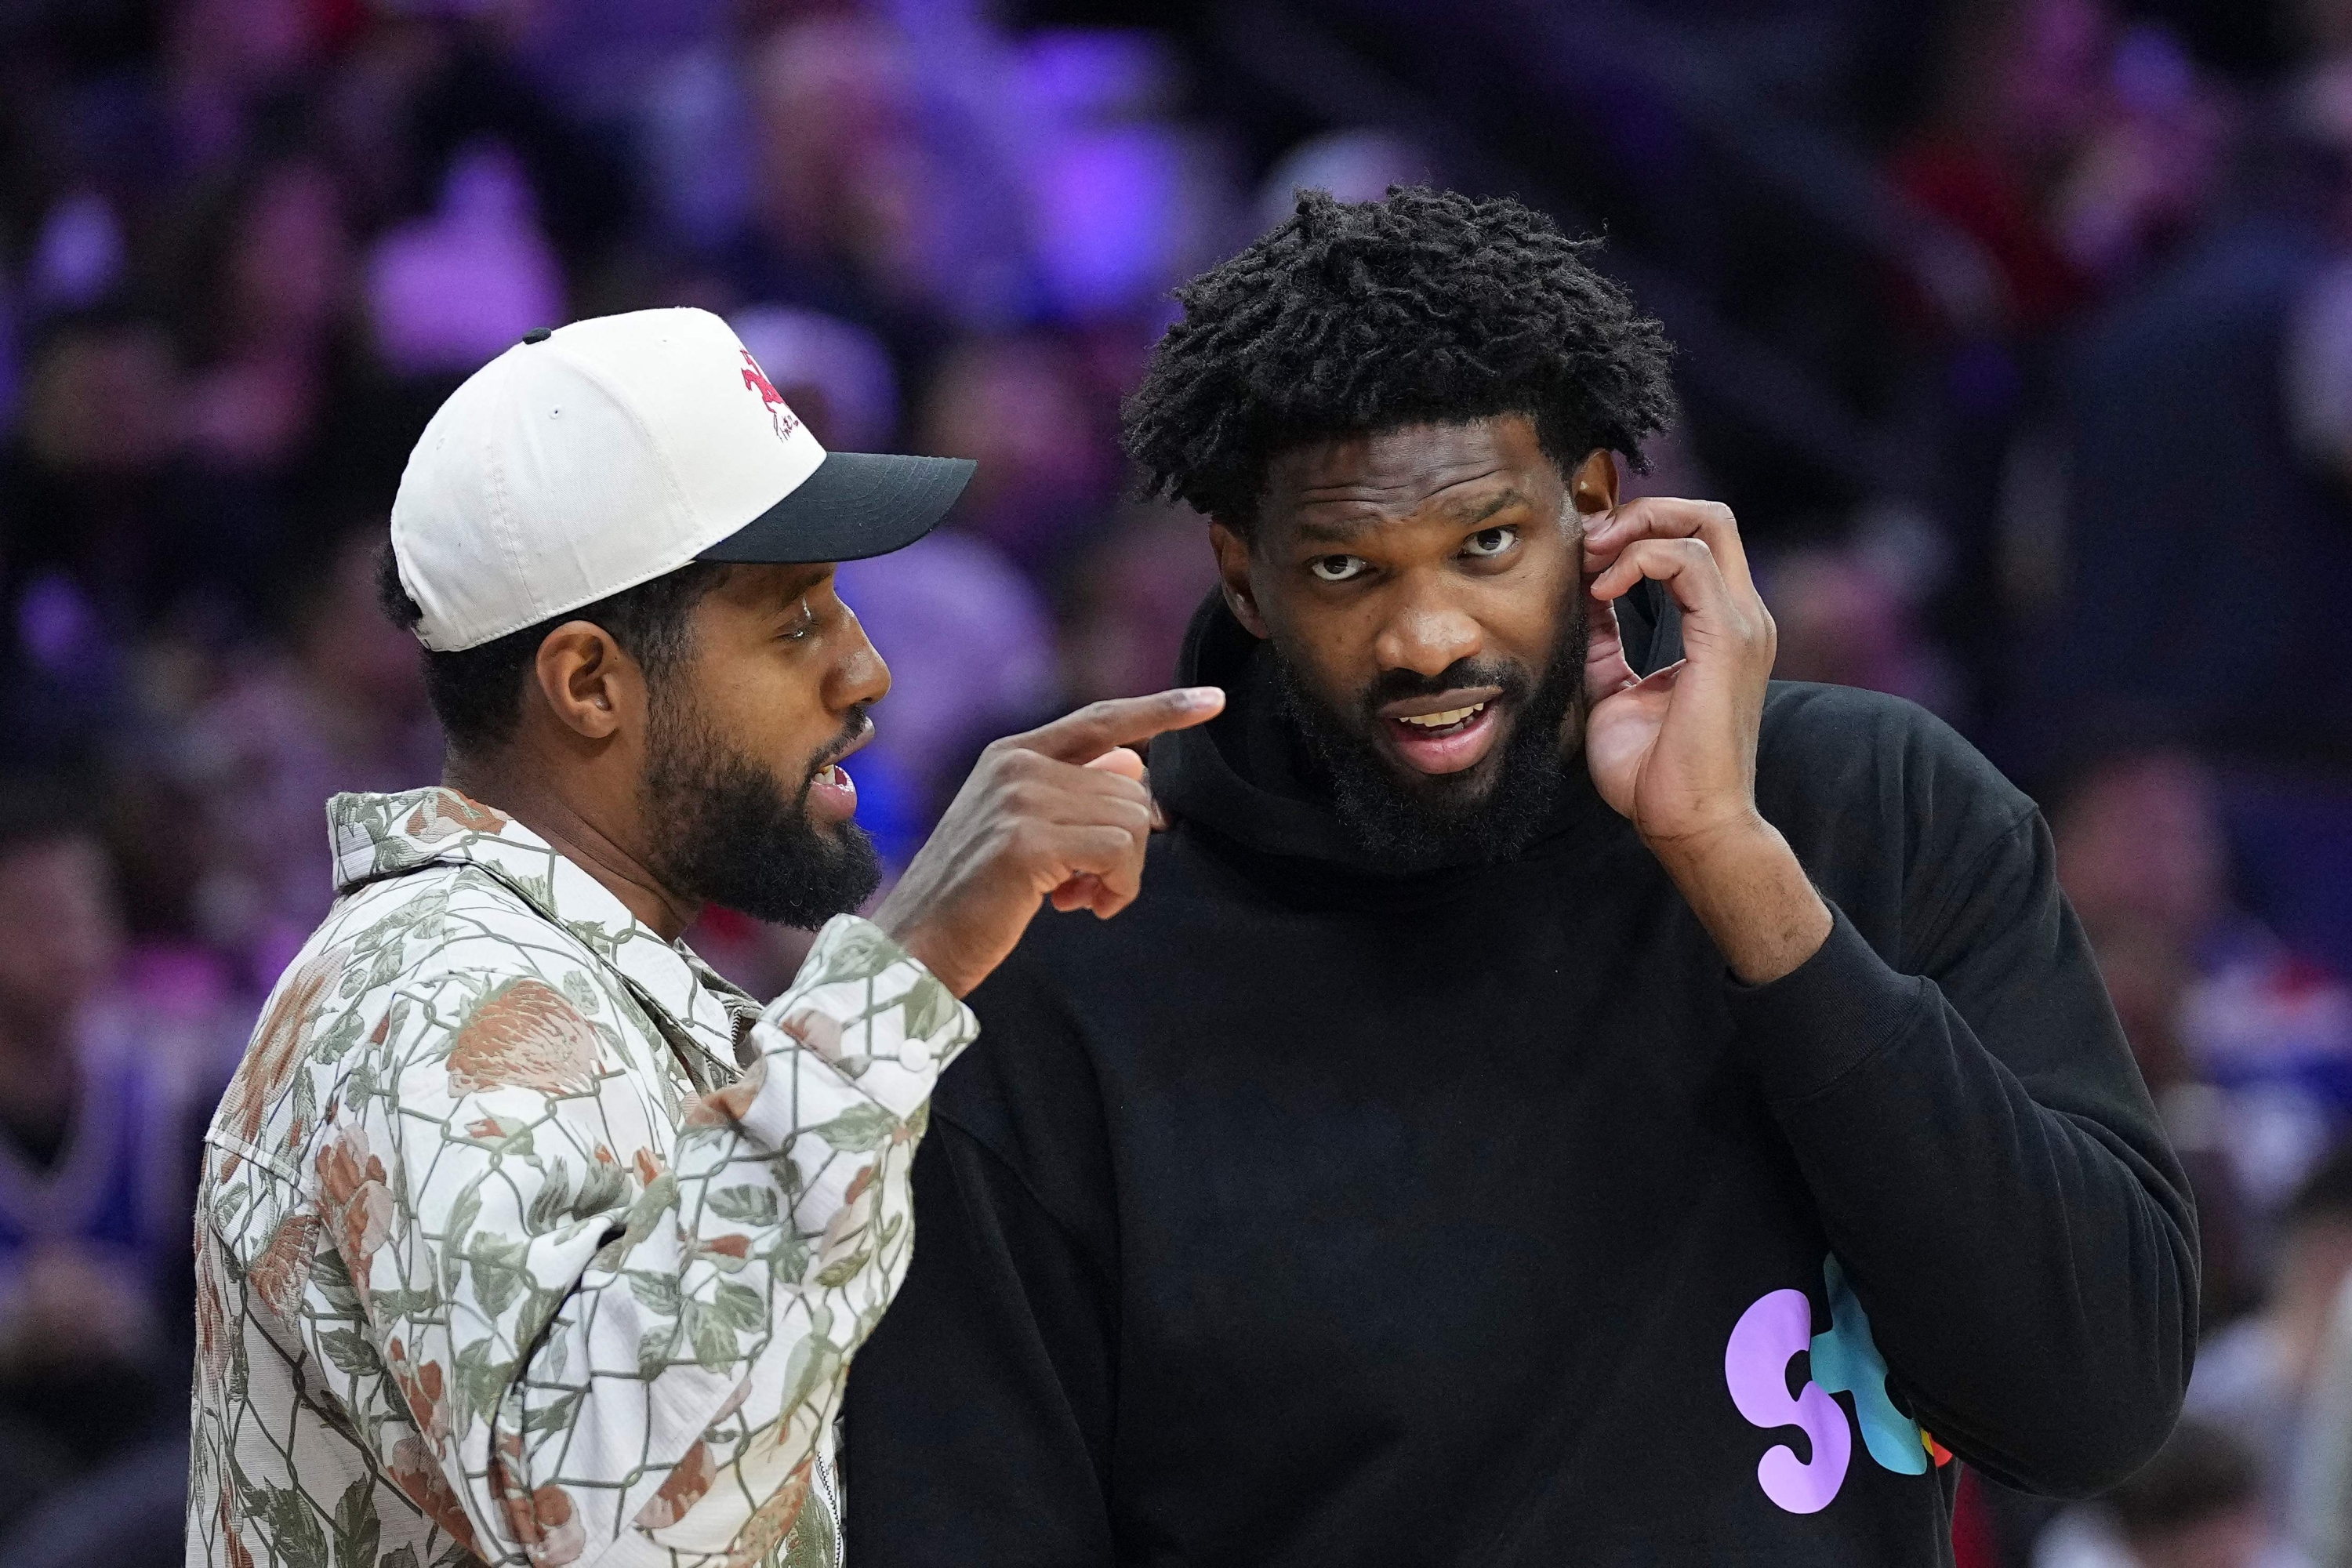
524,1237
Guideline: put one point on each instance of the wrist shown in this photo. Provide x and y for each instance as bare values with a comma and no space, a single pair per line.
1699,851
1751,893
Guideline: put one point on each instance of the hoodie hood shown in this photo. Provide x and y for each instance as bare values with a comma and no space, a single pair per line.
1245,775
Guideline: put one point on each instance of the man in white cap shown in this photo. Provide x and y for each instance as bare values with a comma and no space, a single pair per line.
524,1237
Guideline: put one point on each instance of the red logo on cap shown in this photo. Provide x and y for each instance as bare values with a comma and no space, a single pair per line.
756,380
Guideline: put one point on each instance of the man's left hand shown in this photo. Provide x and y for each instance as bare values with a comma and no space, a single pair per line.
1674,751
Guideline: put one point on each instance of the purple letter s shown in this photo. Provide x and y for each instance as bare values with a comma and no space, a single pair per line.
1756,1367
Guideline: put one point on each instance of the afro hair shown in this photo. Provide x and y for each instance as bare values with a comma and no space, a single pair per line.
1348,319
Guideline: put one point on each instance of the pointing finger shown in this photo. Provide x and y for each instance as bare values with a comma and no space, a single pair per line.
1087,734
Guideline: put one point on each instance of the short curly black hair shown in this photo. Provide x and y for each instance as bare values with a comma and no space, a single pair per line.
1353,318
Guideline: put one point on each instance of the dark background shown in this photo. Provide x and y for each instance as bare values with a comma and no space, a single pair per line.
2017,332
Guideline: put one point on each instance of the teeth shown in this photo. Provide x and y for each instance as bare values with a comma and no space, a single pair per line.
1440,721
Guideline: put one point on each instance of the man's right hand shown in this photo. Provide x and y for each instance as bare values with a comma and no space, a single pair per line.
1062,811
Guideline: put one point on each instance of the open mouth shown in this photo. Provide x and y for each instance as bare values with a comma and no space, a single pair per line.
1445,733
832,793
1451,722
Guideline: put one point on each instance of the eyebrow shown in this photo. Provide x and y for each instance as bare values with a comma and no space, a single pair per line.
1342,531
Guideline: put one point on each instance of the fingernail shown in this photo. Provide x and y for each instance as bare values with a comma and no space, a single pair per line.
1200,696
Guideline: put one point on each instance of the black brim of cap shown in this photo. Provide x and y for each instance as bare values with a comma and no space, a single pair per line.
857,504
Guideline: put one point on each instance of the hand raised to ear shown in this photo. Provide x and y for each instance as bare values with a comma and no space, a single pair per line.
1675,752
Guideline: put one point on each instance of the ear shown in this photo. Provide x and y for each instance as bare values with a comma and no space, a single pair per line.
586,681
1593,487
1233,568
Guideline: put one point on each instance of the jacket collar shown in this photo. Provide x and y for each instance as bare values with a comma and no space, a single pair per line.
375,836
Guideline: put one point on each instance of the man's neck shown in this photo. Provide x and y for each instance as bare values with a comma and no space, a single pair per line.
576,838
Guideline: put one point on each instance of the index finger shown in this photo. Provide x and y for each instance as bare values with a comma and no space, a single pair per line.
1083,736
1668,517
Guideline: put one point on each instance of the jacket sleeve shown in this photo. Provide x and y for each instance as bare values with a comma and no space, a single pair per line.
980,1415
1990,1170
611,1328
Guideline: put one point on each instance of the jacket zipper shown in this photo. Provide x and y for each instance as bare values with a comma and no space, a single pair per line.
833,1501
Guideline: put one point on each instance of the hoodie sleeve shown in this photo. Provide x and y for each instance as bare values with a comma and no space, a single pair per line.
1987,1163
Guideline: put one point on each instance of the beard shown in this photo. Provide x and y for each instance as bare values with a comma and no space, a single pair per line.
1420,821
730,832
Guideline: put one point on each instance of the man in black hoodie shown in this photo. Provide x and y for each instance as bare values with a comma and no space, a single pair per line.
1536,1112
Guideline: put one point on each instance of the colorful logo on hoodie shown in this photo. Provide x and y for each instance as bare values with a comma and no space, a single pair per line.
1845,1359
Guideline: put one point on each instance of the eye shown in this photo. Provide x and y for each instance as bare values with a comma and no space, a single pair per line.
1490,541
1337,568
802,623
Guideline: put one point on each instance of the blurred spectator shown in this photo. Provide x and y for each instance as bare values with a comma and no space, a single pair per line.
1125,202
271,287
339,706
64,687
2319,372
2021,90
840,178
91,483
1845,618
221,56
1047,471
101,1101
2256,1378
2207,555
1128,600
2141,854
2198,1504
694,165
446,292
2146,176
2320,1494
2149,975
79,256
2067,158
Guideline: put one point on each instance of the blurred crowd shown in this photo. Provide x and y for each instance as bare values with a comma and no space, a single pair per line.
2072,277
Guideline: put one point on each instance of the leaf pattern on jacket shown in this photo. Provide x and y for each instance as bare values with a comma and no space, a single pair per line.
501,1255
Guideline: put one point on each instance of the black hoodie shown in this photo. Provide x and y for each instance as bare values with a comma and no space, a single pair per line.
1303,1214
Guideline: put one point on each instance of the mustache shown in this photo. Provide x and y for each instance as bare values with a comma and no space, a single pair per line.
1395,684
854,727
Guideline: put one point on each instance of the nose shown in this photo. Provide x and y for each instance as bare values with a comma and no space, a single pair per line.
859,675
1427,631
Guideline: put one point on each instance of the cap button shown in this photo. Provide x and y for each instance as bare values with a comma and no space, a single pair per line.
538,335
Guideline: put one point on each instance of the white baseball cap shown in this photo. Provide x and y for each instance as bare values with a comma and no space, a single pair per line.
599,455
